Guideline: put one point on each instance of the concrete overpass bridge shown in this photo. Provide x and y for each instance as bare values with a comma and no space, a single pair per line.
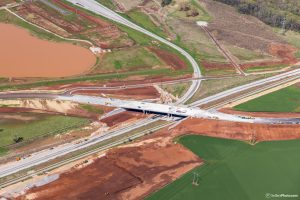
173,110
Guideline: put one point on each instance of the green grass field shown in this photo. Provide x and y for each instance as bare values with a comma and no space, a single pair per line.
177,89
265,68
235,170
144,20
136,58
92,109
292,37
246,55
284,100
43,125
203,14
211,87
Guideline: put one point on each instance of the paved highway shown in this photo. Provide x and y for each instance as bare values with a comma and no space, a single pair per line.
44,156
47,155
294,73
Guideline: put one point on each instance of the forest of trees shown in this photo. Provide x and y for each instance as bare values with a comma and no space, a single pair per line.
165,2
272,12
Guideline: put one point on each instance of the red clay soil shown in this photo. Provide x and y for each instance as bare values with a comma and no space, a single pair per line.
84,15
121,117
31,110
15,110
283,51
124,173
285,54
261,114
108,31
170,59
84,113
239,131
4,2
39,12
214,65
136,93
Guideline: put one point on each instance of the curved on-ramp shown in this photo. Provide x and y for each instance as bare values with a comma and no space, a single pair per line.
99,9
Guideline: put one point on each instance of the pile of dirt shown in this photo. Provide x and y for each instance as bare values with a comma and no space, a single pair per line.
130,172
170,59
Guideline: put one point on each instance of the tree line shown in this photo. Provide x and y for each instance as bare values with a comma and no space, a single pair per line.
165,2
277,13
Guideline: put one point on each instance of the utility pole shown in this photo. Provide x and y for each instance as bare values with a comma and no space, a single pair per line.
253,139
196,178
283,26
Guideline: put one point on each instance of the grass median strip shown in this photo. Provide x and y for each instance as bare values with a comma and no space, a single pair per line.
284,100
43,126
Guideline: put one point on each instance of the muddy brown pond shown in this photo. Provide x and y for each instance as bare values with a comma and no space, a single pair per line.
23,55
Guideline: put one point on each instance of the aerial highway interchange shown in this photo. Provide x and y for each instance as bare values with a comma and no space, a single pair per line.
173,112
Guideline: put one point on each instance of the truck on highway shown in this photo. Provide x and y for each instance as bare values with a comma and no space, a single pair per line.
181,111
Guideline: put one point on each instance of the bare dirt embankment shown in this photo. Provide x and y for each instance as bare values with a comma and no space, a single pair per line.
170,59
50,106
239,131
120,118
130,93
23,55
284,53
